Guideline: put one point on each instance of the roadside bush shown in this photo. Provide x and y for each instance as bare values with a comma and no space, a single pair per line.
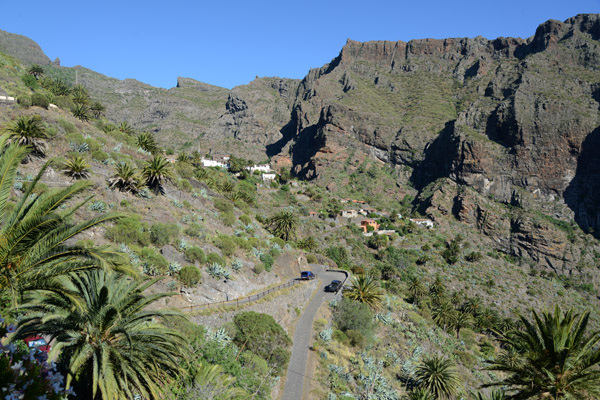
311,259
129,230
30,81
195,253
339,255
39,100
24,101
351,315
64,102
226,244
189,276
262,335
163,233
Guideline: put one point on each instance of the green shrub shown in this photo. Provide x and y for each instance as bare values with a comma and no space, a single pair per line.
259,269
226,244
228,218
195,253
190,276
245,219
223,205
30,81
356,338
193,230
39,100
129,230
243,243
153,262
24,101
64,102
263,336
267,260
311,259
99,155
474,256
351,315
163,233
213,258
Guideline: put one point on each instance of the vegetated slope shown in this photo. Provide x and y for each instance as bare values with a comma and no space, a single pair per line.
213,211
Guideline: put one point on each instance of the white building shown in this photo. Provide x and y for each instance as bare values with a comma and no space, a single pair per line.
427,223
260,168
268,177
214,163
349,213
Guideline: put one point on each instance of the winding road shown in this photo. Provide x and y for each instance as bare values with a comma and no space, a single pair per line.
296,373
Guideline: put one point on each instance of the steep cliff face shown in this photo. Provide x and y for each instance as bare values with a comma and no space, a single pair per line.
517,120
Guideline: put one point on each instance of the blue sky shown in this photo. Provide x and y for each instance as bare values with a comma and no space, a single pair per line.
228,43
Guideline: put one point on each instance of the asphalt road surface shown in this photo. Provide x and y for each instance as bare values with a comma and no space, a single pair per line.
296,380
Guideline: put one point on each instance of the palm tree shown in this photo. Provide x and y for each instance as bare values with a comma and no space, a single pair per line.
437,289
365,290
421,394
27,130
416,289
126,179
126,128
111,344
555,359
493,395
35,245
156,172
97,109
461,320
443,313
438,376
283,225
77,168
81,112
146,142
473,306
36,71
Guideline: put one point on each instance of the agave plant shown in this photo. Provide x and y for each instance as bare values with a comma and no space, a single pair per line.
146,142
27,130
77,168
156,172
126,179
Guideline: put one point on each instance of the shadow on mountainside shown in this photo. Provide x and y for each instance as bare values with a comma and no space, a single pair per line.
583,193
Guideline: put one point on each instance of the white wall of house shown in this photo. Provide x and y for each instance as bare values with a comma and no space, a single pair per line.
213,163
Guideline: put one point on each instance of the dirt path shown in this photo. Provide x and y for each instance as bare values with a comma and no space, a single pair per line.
295,381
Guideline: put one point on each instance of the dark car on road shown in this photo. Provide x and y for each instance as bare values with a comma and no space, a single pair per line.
334,286
307,275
